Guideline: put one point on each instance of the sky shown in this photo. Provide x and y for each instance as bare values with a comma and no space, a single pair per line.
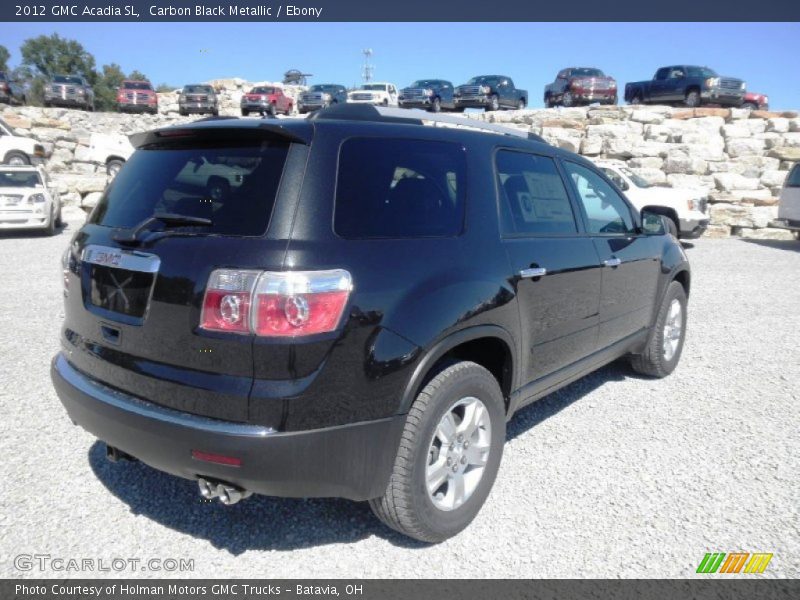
763,54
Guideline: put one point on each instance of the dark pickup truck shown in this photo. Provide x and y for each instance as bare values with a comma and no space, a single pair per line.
491,92
688,85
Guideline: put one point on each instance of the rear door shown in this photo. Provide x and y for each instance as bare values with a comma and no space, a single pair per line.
136,285
555,269
631,262
790,197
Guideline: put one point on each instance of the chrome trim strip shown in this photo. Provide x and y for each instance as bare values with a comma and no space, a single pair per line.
415,113
142,408
130,260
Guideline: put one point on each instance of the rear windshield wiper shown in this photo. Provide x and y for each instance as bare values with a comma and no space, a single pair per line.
167,219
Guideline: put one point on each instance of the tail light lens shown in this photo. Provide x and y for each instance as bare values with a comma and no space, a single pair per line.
276,304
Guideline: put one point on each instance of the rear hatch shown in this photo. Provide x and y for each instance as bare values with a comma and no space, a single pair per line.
186,203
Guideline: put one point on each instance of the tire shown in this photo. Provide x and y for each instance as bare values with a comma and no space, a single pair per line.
215,112
567,100
407,505
749,105
113,167
181,112
656,361
547,102
672,228
692,99
289,110
436,105
16,158
50,229
521,104
272,111
46,104
385,102
495,103
245,112
637,99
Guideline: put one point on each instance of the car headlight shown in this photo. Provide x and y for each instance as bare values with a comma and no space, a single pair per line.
744,85
485,89
712,82
81,92
428,92
326,97
36,199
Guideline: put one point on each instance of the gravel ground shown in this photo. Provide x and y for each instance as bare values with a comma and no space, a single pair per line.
614,476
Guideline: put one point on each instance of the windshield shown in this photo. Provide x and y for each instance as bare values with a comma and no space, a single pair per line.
137,85
636,179
703,72
423,83
488,79
374,86
64,79
198,89
19,179
587,73
233,186
324,88
262,90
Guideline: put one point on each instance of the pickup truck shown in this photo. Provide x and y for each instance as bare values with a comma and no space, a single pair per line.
69,90
377,93
198,98
580,85
430,94
137,96
266,100
688,85
756,101
10,91
17,150
490,92
321,95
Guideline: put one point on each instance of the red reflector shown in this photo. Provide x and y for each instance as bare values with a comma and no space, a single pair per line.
219,459
301,314
226,311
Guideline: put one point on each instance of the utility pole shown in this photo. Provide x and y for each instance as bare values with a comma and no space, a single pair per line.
367,68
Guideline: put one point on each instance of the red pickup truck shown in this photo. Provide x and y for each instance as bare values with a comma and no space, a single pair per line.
266,99
137,96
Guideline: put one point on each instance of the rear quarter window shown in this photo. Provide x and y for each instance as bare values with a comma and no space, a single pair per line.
399,188
793,180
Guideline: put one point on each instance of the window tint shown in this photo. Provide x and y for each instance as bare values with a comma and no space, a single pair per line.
606,210
399,188
532,195
793,180
234,187
661,74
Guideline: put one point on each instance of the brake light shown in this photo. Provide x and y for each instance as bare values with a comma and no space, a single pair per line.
276,304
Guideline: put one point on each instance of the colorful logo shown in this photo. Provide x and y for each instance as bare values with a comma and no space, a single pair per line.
735,562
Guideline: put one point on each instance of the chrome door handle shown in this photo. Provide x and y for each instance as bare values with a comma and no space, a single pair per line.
612,262
533,272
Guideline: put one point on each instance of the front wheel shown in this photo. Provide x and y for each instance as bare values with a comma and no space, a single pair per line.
749,105
448,457
521,104
494,103
664,348
436,105
692,99
567,100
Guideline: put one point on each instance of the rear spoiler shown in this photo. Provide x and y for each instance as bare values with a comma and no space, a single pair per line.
227,129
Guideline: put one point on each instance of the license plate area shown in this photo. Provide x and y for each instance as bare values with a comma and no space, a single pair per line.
118,284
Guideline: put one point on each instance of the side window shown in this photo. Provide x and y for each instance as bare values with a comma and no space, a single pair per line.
793,180
399,188
662,74
616,178
606,210
533,198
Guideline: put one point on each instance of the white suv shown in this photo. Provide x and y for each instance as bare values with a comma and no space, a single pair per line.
17,150
685,207
25,200
379,94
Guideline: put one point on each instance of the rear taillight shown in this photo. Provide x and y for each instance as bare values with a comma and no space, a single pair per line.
275,304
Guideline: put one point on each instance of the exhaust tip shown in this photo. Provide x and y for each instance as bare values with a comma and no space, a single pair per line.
228,494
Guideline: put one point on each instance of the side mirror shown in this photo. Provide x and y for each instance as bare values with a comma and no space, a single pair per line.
653,223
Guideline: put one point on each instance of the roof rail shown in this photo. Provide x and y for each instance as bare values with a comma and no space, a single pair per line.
415,116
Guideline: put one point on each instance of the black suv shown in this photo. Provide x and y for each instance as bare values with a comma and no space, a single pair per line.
360,311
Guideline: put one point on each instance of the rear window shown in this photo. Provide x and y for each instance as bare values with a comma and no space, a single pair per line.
137,85
233,186
793,180
400,188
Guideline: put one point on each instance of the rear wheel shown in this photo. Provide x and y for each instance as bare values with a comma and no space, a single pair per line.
664,348
448,457
637,99
17,159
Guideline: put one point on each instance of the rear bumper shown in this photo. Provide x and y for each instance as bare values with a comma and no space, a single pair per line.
351,461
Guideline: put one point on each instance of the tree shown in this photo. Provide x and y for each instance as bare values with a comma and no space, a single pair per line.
165,88
4,56
49,55
137,76
105,89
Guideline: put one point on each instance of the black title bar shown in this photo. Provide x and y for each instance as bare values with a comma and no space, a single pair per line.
406,10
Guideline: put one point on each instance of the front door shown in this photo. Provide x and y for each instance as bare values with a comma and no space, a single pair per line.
555,270
631,262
